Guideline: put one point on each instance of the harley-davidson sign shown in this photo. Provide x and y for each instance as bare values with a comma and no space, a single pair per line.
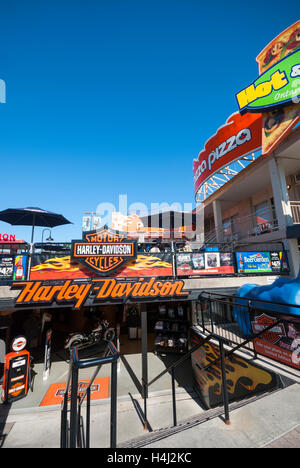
75,294
103,251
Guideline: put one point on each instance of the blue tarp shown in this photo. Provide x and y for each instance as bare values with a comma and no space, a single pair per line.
283,291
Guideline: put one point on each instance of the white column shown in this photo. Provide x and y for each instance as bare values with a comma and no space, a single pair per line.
218,220
283,211
280,194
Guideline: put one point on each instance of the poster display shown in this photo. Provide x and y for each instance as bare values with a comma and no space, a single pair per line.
205,263
282,342
13,268
261,262
6,267
20,268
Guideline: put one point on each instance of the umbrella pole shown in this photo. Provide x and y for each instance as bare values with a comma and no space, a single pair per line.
32,232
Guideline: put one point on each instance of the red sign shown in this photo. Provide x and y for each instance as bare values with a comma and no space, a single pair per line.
10,238
282,342
241,135
7,238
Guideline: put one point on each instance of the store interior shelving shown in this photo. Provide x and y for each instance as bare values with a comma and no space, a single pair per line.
171,328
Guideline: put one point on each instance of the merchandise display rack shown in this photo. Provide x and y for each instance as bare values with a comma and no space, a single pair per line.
171,329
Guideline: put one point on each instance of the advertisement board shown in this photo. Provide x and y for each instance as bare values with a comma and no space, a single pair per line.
261,262
276,86
278,122
282,342
204,263
20,267
13,267
7,263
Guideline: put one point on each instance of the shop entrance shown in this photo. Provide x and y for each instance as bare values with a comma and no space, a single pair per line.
167,328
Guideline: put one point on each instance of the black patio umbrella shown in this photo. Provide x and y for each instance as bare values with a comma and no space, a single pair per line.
32,216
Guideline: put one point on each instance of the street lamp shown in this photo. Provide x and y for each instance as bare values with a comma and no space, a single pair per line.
49,239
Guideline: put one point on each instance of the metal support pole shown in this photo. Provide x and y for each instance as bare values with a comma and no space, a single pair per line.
144,344
113,405
73,408
63,430
145,392
211,315
88,417
174,397
202,315
144,359
79,435
224,384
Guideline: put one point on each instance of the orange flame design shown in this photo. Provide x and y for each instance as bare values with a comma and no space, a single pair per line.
236,369
66,264
58,263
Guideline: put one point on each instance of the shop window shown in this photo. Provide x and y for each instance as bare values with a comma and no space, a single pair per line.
231,227
263,217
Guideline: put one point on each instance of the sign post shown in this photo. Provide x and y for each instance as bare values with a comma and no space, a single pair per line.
47,360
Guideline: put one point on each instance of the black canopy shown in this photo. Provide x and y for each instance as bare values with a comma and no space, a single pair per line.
32,216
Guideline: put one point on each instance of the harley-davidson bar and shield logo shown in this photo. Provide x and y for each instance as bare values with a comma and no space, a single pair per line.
103,251
274,334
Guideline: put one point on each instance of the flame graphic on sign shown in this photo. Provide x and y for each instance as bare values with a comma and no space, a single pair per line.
58,263
144,261
65,263
238,371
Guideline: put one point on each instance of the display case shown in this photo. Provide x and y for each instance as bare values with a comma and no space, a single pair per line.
171,329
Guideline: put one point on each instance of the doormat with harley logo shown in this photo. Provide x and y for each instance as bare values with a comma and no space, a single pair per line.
55,393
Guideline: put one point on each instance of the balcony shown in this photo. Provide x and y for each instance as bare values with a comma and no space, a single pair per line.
295,208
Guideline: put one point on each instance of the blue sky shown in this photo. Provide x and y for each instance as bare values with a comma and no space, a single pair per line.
114,97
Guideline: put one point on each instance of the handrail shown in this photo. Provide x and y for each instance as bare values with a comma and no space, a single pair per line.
223,354
179,362
87,363
171,368
75,439
250,299
240,345
104,360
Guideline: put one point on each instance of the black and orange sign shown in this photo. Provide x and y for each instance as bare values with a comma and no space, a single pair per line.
75,294
103,251
16,376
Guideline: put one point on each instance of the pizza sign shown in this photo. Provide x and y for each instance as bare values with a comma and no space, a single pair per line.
103,251
239,137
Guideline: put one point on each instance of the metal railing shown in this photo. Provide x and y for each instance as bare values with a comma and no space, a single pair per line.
226,333
295,208
72,430
253,224
215,316
169,369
